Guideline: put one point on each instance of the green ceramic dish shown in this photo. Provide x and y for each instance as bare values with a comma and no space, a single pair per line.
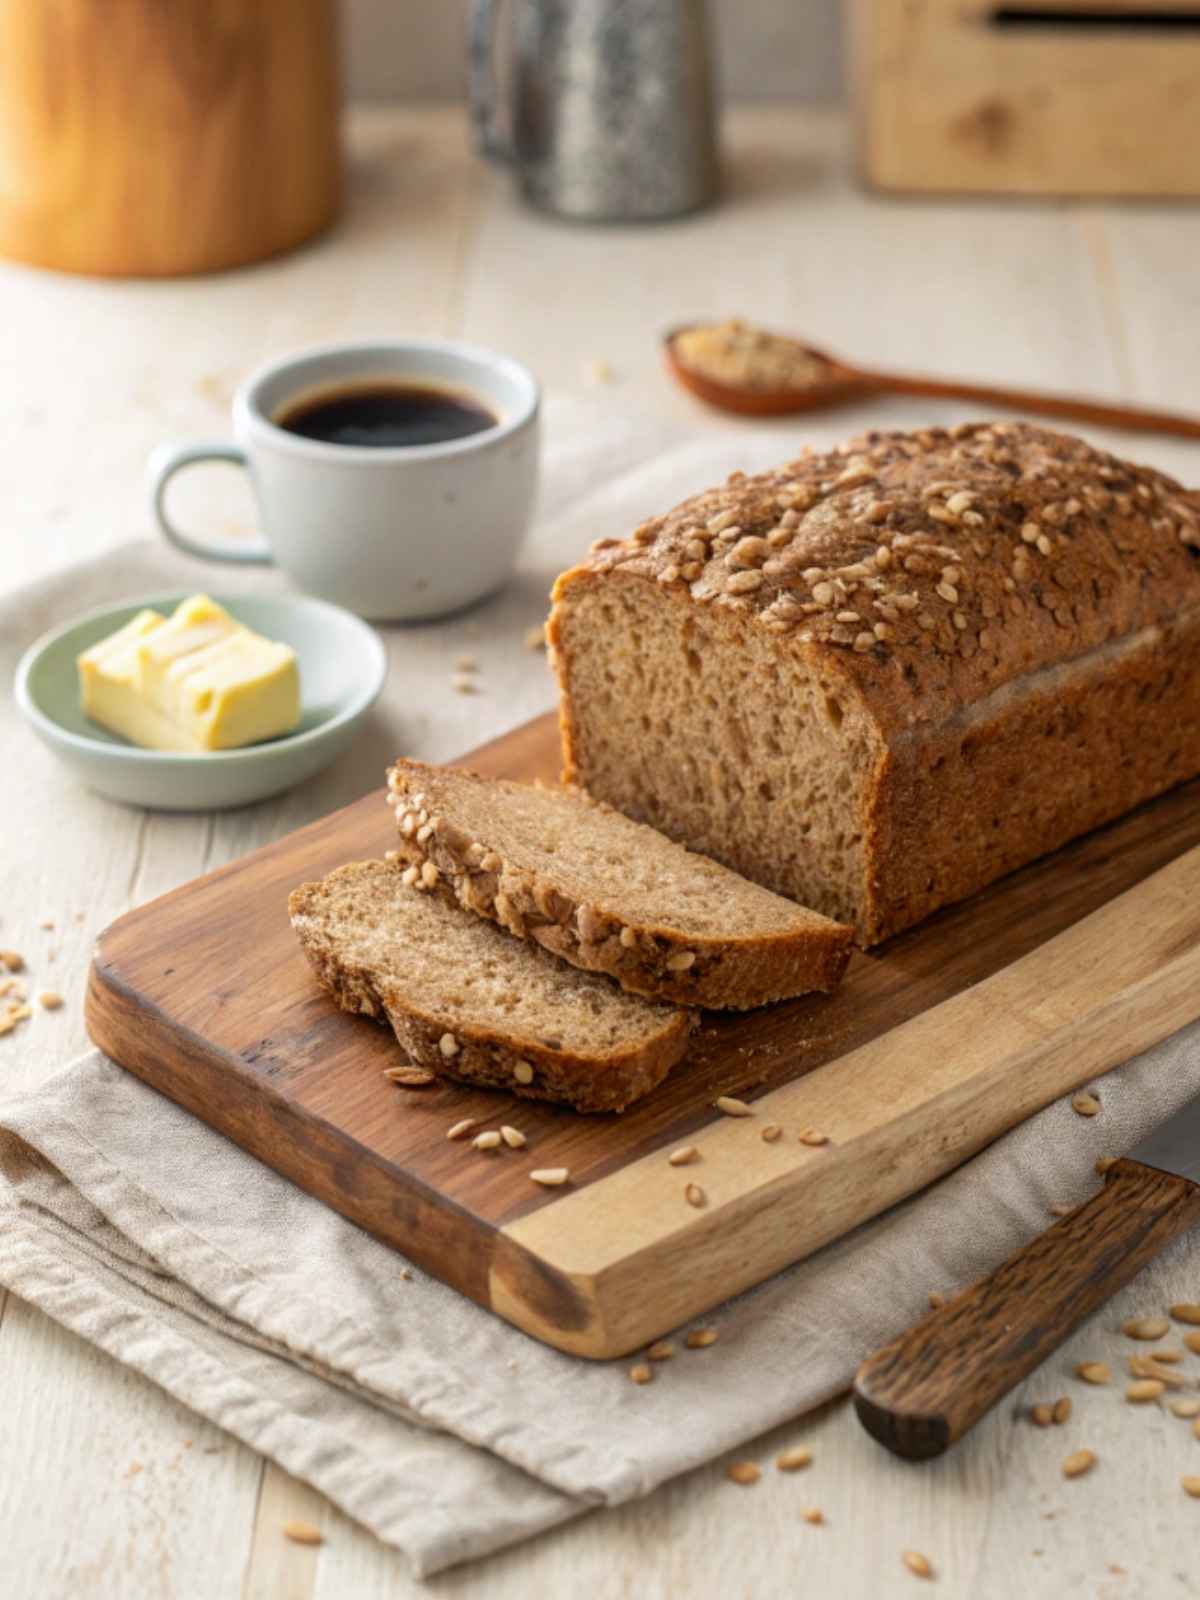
342,670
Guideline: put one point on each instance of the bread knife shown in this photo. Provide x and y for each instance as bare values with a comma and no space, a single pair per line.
927,1388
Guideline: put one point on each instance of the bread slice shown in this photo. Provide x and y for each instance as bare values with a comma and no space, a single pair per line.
608,894
468,1002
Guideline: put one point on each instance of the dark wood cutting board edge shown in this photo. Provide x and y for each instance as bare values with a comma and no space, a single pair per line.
304,1099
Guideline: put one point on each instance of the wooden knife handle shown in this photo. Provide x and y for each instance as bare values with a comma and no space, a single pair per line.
922,1392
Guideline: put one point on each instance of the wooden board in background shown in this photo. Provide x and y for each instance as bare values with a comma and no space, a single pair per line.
935,1044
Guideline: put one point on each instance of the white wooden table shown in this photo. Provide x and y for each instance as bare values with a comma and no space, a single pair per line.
108,1488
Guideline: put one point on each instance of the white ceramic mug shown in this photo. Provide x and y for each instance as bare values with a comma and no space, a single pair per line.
395,533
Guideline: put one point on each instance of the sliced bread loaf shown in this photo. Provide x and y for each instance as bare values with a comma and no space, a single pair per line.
608,894
468,1002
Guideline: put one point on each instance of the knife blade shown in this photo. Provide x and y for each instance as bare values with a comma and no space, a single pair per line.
922,1392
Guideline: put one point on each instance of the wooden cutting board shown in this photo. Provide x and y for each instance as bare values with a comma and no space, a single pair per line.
935,1044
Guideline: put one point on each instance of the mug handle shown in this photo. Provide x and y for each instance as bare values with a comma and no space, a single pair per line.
489,140
162,466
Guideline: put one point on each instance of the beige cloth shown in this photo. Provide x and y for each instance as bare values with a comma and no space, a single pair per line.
440,1428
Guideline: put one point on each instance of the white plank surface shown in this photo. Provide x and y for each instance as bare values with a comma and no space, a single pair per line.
94,374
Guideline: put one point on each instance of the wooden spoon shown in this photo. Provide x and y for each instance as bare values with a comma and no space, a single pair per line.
834,382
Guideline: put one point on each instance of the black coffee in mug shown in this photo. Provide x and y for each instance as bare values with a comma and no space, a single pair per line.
383,415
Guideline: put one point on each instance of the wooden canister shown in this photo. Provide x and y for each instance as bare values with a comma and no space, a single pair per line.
161,137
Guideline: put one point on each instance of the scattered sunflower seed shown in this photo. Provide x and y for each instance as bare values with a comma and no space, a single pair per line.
792,1460
1143,1390
410,1077
1186,1313
1042,1414
513,1137
1094,1372
550,1177
771,1133
1146,1327
641,1373
1077,1463
1192,1340
1187,1405
1062,1409
1105,1164
13,960
1085,1104
813,1514
936,1299
535,637
917,1564
682,1157
488,1140
743,1472
1191,1486
733,1107
694,1195
458,1129
302,1533
810,1136
701,1338
50,1000
661,1350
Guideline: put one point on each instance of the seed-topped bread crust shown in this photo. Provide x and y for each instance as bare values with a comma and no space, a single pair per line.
1008,609
467,1002
608,894
944,560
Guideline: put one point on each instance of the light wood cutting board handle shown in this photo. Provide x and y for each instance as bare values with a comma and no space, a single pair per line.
926,1389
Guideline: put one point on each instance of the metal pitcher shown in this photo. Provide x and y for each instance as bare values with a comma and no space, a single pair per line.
612,114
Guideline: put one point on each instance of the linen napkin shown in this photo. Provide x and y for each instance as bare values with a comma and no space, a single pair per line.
440,1428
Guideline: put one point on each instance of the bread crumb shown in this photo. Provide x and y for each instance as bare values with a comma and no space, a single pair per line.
535,637
465,686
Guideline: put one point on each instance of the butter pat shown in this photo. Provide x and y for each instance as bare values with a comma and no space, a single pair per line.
196,681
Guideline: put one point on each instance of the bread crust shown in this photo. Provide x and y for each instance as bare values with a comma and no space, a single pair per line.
1026,637
655,960
485,1056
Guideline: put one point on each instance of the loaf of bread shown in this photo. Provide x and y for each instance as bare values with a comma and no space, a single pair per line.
879,678
467,1001
610,895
